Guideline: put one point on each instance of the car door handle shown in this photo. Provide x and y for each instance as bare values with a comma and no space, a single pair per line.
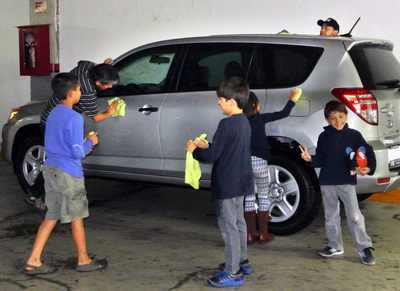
148,109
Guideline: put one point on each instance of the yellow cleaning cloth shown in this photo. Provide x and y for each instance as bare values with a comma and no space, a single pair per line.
120,107
192,168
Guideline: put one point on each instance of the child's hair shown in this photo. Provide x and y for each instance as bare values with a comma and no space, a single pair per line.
234,88
104,73
62,83
251,107
332,106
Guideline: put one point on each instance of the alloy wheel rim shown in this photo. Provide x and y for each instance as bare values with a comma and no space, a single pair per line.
32,164
284,194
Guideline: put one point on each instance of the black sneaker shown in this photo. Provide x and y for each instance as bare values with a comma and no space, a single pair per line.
366,256
329,252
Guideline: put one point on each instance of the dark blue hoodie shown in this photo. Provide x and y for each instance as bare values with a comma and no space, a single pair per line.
332,158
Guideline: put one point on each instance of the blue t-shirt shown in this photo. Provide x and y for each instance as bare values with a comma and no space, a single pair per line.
64,143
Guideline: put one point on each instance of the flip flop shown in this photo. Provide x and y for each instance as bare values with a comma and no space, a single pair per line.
38,270
94,265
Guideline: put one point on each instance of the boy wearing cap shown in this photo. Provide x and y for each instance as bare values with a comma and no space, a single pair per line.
329,27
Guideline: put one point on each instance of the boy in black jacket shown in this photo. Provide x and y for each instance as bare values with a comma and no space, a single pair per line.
338,179
232,178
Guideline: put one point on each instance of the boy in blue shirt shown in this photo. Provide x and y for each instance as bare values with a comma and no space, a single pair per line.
231,178
338,180
66,199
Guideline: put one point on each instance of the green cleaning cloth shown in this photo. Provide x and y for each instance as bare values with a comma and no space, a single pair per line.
120,107
192,167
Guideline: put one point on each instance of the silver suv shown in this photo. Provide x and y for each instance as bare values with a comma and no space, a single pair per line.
169,88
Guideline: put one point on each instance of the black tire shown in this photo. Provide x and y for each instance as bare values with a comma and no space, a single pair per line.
362,197
35,191
310,198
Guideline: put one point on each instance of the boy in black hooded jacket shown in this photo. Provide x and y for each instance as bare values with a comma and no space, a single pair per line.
335,156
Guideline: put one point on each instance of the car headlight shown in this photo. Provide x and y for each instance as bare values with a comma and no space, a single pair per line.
13,113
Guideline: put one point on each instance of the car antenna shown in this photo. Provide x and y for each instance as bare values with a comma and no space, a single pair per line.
349,33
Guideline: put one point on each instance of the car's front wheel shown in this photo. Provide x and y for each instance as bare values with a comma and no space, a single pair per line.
295,201
28,167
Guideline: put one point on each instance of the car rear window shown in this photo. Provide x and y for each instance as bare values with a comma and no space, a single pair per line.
377,66
282,66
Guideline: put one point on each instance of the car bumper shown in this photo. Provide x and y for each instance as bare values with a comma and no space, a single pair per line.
369,185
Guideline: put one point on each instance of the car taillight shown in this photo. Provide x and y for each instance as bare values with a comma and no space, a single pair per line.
360,101
385,180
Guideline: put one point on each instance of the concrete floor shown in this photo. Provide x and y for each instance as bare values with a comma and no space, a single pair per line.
165,238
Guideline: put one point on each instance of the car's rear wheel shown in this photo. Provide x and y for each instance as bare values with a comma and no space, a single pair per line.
295,201
28,167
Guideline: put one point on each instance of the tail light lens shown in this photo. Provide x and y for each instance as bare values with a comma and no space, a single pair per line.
360,101
385,180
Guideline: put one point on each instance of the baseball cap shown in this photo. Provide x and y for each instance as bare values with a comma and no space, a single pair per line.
329,22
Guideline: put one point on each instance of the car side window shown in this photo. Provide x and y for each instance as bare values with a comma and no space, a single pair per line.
144,72
206,65
282,66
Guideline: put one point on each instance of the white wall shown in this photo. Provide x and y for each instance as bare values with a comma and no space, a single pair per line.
95,29
14,89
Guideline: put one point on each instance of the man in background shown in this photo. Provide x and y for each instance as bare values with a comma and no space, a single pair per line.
329,27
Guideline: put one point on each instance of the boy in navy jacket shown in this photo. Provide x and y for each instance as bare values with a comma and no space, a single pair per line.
232,178
338,179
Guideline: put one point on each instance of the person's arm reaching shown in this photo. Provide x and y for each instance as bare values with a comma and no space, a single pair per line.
107,113
268,117
294,96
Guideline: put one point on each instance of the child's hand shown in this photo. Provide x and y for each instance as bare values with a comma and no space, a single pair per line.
295,94
93,137
190,146
363,171
201,143
305,155
112,107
